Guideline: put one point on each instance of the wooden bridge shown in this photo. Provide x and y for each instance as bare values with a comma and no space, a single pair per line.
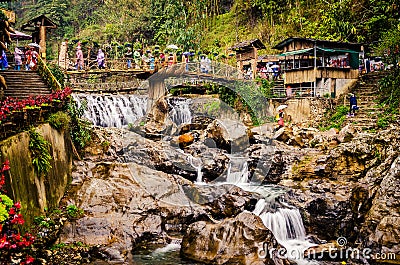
160,82
119,79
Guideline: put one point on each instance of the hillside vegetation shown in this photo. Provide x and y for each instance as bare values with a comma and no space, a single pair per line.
213,24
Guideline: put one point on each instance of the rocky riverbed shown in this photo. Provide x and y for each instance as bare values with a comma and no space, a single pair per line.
175,185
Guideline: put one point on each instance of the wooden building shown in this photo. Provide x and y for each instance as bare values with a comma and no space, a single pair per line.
246,54
319,67
38,27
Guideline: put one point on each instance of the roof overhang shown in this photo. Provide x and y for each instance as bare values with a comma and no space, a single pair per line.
35,23
321,43
248,45
320,51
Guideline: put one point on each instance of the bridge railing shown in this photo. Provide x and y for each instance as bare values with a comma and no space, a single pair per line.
214,69
47,75
112,64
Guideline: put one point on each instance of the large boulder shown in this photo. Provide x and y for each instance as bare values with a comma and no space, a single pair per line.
240,240
346,134
158,120
228,134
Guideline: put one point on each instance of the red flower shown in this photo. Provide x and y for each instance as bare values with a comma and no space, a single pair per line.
6,165
17,205
18,219
12,211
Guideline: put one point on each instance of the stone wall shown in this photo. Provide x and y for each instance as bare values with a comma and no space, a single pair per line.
37,193
302,110
343,86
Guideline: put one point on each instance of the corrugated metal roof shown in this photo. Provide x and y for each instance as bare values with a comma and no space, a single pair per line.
248,44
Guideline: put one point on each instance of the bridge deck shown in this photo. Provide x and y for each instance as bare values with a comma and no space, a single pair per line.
102,71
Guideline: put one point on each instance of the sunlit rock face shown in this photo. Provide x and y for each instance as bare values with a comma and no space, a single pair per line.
352,191
239,240
127,203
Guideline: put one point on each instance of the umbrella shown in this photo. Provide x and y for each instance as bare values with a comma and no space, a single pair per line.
34,45
280,107
20,36
275,66
172,46
187,53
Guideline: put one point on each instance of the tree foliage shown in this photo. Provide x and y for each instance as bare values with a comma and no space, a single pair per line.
190,23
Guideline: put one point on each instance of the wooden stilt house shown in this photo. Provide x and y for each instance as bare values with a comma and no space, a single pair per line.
319,67
246,54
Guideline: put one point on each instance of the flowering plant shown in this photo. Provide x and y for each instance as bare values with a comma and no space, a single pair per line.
10,104
12,243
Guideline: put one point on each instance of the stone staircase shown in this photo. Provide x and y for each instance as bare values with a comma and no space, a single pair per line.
366,91
22,84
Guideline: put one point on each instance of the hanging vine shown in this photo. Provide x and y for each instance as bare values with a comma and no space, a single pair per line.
39,148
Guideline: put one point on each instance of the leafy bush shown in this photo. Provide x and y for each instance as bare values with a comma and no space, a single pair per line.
39,148
73,211
58,73
59,120
80,129
337,118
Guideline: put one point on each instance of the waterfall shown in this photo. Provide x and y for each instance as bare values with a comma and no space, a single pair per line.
112,110
283,220
287,226
198,165
180,112
238,171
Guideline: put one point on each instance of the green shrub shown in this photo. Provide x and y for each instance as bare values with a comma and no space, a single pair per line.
5,204
80,129
73,211
39,148
59,120
58,73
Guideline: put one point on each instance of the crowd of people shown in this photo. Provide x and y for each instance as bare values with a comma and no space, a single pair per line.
26,58
138,59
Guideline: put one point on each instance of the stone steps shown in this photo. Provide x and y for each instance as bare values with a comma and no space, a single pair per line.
22,84
366,91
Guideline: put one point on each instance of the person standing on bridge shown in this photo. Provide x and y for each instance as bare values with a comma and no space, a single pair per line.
79,58
100,59
203,65
128,56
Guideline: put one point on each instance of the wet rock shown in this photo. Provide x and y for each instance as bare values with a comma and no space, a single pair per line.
295,136
240,240
228,135
381,228
266,163
158,120
354,193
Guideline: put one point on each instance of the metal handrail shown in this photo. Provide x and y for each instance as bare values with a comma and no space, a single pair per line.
44,71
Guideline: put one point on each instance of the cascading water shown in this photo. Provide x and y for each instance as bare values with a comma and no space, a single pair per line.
112,110
287,226
180,112
197,164
238,171
283,220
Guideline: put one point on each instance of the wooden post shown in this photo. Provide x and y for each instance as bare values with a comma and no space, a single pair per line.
315,69
254,63
42,43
